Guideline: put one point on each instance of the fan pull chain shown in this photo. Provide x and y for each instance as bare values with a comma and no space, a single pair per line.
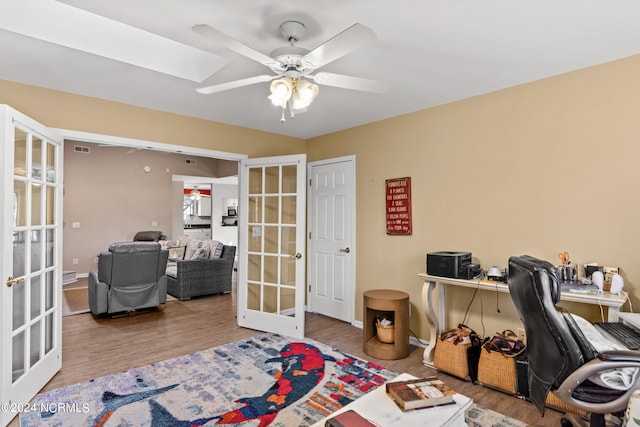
290,109
282,119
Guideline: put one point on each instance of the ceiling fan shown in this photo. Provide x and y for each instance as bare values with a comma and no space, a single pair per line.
195,194
293,66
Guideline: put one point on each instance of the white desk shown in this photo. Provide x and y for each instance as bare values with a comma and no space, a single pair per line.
632,319
437,320
377,407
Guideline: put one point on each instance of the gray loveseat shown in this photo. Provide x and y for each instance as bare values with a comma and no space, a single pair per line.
130,276
207,268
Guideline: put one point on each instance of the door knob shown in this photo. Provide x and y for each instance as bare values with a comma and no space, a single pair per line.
298,255
11,281
345,250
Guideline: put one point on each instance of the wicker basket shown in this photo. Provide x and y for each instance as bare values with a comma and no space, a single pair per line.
385,332
555,403
452,358
498,370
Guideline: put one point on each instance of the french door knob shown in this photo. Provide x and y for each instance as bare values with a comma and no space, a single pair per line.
298,255
11,281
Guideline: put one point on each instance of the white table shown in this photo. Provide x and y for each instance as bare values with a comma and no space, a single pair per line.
378,408
436,316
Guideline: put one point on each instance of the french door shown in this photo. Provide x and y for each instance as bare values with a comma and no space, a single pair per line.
31,260
271,273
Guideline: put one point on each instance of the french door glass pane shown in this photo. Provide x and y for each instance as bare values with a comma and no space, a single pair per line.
51,158
271,209
34,349
288,209
36,204
254,268
48,333
36,250
270,299
270,269
288,241
289,179
272,180
49,290
287,298
50,204
255,209
18,359
35,297
255,180
37,172
270,239
19,304
50,246
19,253
20,153
20,203
288,271
255,238
253,296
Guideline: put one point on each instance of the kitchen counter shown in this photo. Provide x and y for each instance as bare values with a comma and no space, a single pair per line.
194,226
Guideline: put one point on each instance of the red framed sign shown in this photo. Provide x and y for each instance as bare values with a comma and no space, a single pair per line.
398,205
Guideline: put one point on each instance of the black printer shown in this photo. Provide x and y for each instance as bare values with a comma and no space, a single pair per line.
456,265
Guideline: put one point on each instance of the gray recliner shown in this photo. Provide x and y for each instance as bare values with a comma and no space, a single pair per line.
130,276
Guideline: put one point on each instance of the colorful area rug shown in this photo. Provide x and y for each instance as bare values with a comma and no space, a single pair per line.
267,380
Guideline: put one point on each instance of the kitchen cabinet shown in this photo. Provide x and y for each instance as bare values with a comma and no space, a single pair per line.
198,233
204,207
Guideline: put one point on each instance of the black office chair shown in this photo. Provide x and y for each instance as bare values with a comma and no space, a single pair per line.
561,360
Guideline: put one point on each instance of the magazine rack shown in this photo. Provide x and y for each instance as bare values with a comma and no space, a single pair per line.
391,303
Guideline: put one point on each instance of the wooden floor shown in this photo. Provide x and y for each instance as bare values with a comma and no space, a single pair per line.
93,347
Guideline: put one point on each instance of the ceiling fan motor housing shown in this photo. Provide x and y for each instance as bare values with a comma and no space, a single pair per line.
292,30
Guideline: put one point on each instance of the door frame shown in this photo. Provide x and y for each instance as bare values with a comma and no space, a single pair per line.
310,220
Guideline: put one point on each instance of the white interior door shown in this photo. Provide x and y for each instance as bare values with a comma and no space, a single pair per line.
331,238
271,273
31,236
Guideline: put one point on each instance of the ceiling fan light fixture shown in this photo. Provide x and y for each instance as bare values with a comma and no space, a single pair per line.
195,194
304,94
281,91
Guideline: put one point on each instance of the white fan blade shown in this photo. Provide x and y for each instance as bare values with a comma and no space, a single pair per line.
341,44
350,82
236,83
230,43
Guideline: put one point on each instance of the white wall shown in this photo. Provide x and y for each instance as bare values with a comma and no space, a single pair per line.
219,193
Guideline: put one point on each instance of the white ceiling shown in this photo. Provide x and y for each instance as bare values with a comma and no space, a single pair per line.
431,51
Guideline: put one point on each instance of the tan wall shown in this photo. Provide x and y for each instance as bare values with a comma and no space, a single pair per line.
536,169
80,113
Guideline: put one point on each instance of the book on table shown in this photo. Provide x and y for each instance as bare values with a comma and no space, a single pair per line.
420,393
348,418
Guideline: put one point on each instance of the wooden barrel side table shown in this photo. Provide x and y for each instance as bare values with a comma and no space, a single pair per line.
377,303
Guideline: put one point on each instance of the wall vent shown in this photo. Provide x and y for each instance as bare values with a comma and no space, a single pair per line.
190,161
81,149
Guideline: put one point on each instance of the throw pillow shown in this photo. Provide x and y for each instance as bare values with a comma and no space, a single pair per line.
191,246
215,248
200,253
166,244
177,253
